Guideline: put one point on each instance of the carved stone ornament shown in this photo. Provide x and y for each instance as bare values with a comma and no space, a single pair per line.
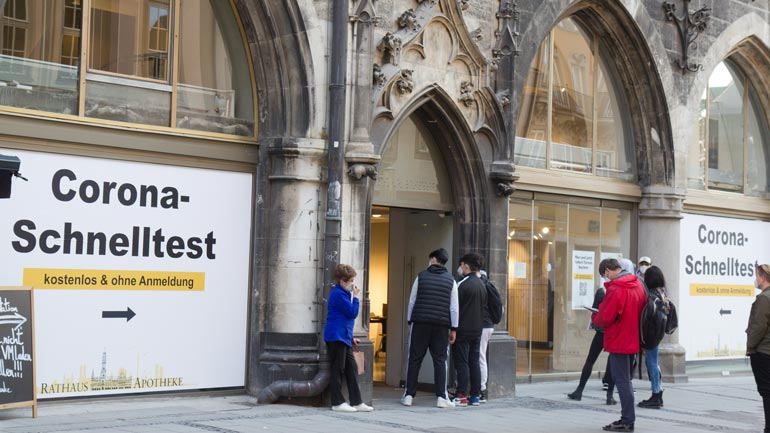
466,93
391,44
504,97
430,2
408,20
505,189
378,77
360,171
477,35
405,83
495,62
463,4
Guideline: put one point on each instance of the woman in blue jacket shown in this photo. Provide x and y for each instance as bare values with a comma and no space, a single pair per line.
338,334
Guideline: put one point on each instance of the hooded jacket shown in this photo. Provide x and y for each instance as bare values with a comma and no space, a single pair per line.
620,312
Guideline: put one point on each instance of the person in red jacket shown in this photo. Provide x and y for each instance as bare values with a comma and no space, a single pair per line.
619,314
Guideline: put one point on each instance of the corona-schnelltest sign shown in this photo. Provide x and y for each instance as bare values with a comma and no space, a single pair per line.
716,275
140,273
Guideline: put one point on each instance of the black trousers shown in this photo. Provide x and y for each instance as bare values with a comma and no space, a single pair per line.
760,366
465,354
343,364
424,336
597,345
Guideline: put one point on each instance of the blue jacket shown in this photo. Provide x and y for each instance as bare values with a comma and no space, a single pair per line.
342,313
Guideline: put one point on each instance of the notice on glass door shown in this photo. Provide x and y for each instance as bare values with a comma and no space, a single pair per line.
582,279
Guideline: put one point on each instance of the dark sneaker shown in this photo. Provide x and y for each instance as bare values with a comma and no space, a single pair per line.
483,396
605,386
618,426
474,401
575,396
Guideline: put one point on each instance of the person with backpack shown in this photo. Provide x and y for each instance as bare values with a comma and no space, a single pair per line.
758,338
597,345
619,314
656,288
493,313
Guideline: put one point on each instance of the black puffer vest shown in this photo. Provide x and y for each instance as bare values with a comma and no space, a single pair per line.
434,291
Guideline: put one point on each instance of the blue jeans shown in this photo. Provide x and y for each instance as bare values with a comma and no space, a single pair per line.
653,370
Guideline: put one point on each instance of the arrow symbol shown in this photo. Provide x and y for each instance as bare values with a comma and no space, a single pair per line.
722,312
14,319
128,314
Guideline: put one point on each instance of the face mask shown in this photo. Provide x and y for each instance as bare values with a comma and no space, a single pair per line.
460,271
643,269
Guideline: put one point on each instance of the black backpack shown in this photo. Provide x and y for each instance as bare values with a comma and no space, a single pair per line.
494,303
653,323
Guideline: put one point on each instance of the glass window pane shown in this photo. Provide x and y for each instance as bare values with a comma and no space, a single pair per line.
128,104
573,99
725,146
214,92
758,183
696,157
34,73
614,146
531,126
584,249
121,37
520,292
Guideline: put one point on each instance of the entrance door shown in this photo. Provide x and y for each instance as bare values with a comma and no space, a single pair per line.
411,235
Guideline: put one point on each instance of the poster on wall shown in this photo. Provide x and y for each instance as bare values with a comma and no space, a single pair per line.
140,272
583,270
716,277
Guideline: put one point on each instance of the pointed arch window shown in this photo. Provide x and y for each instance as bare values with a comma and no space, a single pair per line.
731,151
572,116
178,64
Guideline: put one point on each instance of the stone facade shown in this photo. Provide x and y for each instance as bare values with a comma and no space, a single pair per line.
463,65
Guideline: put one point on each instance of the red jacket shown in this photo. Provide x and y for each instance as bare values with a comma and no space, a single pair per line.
619,314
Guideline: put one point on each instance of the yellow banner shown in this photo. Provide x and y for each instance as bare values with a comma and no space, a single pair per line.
582,276
96,279
699,289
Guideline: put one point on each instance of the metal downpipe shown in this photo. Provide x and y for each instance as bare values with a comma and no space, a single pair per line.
332,232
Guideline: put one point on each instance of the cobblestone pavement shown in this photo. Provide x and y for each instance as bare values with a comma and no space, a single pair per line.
729,404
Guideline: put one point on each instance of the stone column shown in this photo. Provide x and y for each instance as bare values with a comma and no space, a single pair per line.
660,214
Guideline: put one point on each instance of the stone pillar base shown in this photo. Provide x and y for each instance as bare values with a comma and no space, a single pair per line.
672,364
501,364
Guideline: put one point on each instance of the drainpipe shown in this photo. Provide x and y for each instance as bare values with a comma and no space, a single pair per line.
333,230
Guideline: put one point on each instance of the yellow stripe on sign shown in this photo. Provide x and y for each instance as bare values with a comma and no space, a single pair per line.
700,289
582,276
97,279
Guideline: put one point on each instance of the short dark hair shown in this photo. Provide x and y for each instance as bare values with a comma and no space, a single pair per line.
440,254
344,272
611,264
473,260
653,278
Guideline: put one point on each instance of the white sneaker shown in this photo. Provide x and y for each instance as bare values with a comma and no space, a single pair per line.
406,400
444,403
344,407
363,407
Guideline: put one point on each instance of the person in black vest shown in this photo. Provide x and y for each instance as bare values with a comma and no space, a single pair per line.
473,297
433,317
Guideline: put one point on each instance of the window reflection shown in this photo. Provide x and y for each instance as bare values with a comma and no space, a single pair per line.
38,60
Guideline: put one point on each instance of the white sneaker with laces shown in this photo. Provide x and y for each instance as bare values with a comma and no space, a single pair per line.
344,407
363,407
406,400
443,403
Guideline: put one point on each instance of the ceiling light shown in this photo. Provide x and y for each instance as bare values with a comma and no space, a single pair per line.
546,230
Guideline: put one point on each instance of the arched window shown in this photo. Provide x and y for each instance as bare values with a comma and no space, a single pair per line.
571,116
730,154
160,63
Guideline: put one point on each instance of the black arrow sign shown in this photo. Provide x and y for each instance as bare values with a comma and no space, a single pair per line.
128,314
722,312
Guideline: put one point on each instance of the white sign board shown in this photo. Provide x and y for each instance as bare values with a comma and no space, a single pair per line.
141,273
583,271
718,259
